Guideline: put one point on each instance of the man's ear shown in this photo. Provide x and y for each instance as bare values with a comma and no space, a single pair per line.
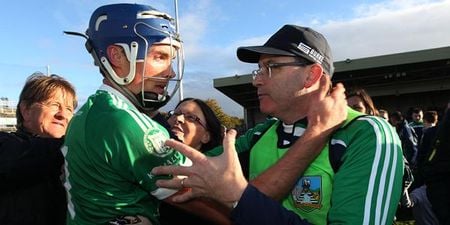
314,75
115,55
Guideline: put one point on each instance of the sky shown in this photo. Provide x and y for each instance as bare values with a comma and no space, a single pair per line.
32,36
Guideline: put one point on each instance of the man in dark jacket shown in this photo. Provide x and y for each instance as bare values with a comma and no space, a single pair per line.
437,171
31,191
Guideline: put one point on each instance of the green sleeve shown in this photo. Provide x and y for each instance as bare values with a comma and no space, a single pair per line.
367,187
245,142
134,145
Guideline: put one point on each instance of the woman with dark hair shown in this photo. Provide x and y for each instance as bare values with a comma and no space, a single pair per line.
359,100
194,123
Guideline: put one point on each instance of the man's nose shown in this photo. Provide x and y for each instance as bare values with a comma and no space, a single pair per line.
169,72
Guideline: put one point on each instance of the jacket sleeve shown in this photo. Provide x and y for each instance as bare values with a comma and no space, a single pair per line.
256,208
24,161
367,187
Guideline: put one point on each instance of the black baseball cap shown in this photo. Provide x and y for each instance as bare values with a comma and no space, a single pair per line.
292,40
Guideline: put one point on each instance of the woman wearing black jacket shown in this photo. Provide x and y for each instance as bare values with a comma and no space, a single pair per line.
31,189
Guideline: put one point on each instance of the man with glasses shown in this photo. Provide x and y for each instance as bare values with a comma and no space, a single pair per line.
355,179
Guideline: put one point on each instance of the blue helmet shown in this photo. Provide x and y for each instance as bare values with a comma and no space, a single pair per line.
127,23
135,28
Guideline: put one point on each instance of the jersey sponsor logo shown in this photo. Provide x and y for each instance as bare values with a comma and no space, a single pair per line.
307,193
154,140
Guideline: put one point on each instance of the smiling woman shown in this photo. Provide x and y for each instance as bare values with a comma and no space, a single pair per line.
194,123
30,159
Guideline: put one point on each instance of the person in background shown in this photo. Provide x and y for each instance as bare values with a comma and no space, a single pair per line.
430,120
359,100
112,143
408,137
31,189
437,170
294,66
383,114
417,121
194,123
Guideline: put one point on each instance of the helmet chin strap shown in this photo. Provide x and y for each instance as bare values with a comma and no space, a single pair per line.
152,105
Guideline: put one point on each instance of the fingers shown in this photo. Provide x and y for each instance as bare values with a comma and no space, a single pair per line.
193,154
171,170
325,86
174,183
339,89
185,196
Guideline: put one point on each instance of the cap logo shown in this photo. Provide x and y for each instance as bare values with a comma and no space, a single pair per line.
311,52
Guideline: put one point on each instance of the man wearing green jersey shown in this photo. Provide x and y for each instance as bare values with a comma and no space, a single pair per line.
356,179
112,144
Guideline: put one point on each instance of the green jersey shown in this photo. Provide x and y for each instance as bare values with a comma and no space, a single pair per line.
367,185
110,149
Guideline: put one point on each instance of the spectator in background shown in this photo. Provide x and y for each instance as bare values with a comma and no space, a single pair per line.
417,121
430,119
421,207
437,171
31,189
408,137
194,123
383,114
359,100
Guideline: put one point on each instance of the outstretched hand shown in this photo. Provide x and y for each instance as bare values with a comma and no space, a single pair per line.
330,107
219,178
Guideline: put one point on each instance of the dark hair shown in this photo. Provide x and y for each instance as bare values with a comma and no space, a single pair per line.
430,116
212,124
39,88
416,110
367,100
397,115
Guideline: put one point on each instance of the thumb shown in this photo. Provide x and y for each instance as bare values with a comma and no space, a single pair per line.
324,87
228,144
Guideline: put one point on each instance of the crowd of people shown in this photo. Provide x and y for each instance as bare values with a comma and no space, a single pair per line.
324,156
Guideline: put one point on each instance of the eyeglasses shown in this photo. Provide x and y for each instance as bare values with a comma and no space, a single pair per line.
267,69
189,117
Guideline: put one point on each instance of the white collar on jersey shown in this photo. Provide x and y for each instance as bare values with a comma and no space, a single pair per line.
107,88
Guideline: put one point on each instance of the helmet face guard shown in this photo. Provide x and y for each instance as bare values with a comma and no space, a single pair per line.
135,28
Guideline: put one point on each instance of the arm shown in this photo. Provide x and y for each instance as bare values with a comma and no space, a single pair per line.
368,185
204,208
25,160
323,118
221,179
256,208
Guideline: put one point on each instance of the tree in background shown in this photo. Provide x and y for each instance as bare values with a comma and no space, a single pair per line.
225,119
